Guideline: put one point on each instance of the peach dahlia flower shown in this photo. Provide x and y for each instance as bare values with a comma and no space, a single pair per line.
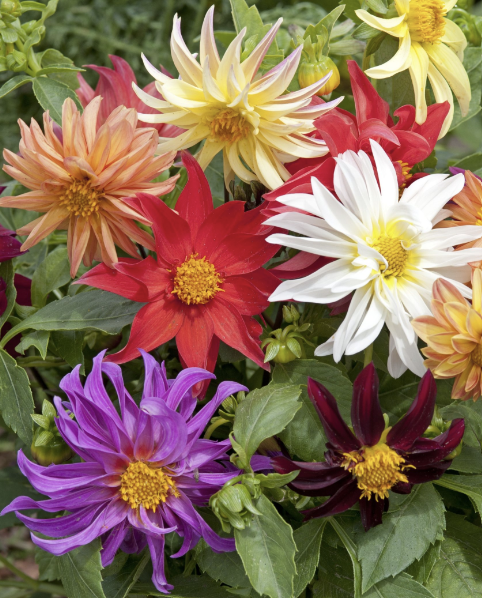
81,181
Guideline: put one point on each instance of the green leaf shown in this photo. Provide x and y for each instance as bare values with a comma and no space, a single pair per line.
378,6
421,570
68,345
38,339
406,534
53,57
13,484
472,162
95,309
7,273
51,95
264,413
9,35
468,485
80,571
308,540
267,549
248,16
194,586
472,414
304,435
53,273
402,586
14,83
226,567
458,571
59,68
120,584
469,460
473,66
16,401
48,565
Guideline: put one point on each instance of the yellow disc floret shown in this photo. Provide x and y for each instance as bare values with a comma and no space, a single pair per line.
426,20
477,356
377,469
80,199
229,126
196,281
144,485
392,249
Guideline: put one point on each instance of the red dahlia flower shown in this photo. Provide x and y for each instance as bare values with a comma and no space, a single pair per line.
207,283
115,86
406,142
363,465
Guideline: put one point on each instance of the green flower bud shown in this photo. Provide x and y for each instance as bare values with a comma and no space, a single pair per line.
313,69
233,506
47,445
290,314
11,7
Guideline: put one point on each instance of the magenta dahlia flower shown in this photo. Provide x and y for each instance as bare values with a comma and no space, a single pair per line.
142,472
364,464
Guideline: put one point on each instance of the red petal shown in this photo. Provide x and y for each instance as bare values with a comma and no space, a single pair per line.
368,103
107,279
406,118
366,413
418,417
377,130
242,253
220,223
231,328
155,324
323,170
433,125
413,148
263,280
172,233
195,202
245,297
342,500
194,337
338,433
148,272
338,132
301,265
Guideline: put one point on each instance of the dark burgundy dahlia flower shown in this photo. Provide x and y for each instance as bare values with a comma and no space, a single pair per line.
364,464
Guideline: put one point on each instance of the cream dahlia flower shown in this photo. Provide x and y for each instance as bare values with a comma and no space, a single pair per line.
429,45
80,181
385,248
223,102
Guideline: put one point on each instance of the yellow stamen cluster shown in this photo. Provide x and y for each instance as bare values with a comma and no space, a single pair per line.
196,281
142,485
406,168
394,252
229,126
377,469
477,356
80,199
426,20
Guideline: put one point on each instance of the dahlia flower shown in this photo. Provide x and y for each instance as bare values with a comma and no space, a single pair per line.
364,464
466,208
115,87
80,181
10,247
142,472
256,126
429,45
207,283
384,248
454,337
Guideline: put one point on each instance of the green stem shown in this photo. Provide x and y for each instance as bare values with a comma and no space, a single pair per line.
40,586
368,355
351,549
213,426
29,580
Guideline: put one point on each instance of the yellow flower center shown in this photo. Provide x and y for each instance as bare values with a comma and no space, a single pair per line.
229,126
80,199
196,281
377,469
426,20
394,252
145,486
477,356
479,219
406,168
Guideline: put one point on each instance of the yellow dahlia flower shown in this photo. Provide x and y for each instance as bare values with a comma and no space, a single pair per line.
429,45
223,102
80,180
454,337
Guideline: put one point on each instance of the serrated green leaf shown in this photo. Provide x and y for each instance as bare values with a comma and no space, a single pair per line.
16,401
469,460
68,345
194,586
14,83
472,414
53,57
53,273
80,571
404,536
13,484
308,540
226,567
98,310
421,570
120,584
473,66
51,95
7,273
470,485
38,339
48,565
267,549
264,413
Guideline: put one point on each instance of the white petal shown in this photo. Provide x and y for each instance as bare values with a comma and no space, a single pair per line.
369,329
356,312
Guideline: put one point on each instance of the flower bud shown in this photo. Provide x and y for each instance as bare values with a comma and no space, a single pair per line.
290,314
311,71
47,445
11,7
233,506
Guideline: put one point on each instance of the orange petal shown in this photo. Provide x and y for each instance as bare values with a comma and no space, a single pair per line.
89,121
44,226
457,315
474,378
463,343
474,324
80,233
449,370
477,290
79,169
458,390
442,342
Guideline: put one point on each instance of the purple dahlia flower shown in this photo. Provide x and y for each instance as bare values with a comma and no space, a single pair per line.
143,471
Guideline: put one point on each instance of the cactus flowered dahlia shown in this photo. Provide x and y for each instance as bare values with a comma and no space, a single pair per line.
246,117
79,182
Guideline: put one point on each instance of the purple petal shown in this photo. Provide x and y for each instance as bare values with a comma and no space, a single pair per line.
183,383
112,541
129,408
155,380
343,499
418,417
59,527
213,540
366,413
156,548
134,541
339,434
204,451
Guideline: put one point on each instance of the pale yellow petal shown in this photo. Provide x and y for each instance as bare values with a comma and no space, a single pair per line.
442,93
454,38
398,63
418,72
394,26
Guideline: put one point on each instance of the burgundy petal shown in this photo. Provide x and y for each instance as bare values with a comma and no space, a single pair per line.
339,434
418,417
366,413
371,511
427,474
343,499
445,443
402,488
322,487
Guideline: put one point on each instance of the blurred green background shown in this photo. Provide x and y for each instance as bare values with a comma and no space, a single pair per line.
88,31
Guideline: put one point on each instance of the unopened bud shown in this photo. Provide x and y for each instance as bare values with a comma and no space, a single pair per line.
47,445
11,7
233,506
312,71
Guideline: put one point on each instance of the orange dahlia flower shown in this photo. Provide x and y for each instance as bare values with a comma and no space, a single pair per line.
454,337
80,180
